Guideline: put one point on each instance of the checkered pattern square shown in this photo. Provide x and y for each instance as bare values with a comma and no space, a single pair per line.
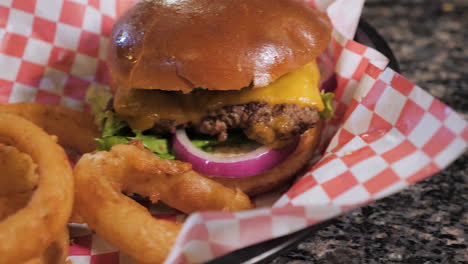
387,134
72,13
44,39
91,249
13,44
44,29
5,91
4,13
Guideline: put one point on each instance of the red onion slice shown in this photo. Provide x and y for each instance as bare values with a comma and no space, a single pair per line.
243,165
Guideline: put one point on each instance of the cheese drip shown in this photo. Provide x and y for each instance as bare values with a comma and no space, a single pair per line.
142,108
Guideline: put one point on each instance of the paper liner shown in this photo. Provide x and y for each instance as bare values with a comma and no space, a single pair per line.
387,134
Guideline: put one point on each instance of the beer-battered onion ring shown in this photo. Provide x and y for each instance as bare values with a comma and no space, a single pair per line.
51,203
18,172
18,181
56,253
75,130
12,203
116,217
102,176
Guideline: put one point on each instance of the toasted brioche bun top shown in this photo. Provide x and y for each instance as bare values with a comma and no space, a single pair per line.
179,45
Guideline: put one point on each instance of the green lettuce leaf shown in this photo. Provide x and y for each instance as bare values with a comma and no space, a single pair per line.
207,144
327,98
166,156
112,125
98,98
156,144
116,131
106,143
203,144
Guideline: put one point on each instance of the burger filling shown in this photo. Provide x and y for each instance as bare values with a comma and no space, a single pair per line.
273,115
272,125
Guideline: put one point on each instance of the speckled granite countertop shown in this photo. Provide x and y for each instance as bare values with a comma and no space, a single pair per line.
427,223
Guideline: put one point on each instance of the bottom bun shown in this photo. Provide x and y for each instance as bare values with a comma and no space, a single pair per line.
282,173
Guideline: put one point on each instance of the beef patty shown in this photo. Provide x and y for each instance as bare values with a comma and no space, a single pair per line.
273,125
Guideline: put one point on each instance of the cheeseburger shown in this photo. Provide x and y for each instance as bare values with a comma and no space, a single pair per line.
230,86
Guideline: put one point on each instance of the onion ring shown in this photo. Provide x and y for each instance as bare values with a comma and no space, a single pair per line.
12,203
243,165
18,181
18,172
56,253
75,130
102,176
50,206
283,172
116,217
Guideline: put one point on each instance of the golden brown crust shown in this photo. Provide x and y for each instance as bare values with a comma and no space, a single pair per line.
56,253
217,45
18,173
75,130
50,206
282,173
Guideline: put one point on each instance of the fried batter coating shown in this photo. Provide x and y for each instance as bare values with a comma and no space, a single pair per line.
75,130
138,170
56,253
101,177
18,171
18,181
116,217
12,203
49,207
72,129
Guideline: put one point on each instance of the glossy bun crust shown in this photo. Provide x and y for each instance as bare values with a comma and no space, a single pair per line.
281,174
217,45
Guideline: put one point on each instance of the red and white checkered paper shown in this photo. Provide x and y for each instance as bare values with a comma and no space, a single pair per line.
388,133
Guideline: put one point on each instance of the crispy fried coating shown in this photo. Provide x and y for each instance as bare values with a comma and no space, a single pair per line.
12,203
175,183
116,217
101,177
72,129
18,181
49,207
56,253
18,171
75,130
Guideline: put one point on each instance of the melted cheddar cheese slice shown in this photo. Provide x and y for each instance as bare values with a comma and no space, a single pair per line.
142,109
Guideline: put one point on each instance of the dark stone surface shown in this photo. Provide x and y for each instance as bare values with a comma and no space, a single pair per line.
427,223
